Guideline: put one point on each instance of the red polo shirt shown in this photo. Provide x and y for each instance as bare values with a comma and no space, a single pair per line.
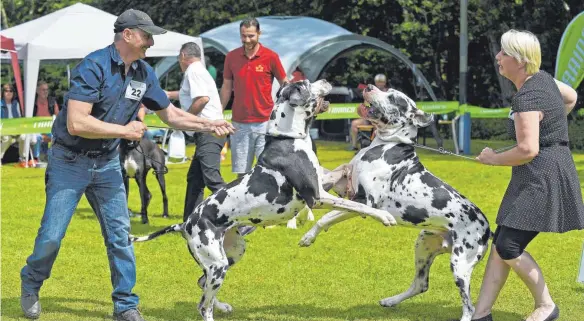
252,83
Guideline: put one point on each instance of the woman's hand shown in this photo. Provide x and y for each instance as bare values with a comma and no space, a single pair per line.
487,156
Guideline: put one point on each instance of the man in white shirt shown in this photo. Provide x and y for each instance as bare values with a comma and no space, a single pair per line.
198,95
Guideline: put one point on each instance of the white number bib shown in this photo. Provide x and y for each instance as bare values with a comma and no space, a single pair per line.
135,90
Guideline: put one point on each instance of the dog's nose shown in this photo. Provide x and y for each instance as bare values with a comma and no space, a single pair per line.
369,88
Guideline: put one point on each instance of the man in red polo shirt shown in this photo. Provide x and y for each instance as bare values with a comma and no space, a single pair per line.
250,71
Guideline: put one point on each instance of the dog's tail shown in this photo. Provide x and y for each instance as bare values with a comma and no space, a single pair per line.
169,229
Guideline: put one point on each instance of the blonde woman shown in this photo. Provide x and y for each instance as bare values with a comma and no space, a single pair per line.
544,192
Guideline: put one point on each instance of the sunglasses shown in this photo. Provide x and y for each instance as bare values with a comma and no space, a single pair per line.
8,90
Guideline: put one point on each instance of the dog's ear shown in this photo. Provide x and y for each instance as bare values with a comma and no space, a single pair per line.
422,119
408,107
278,94
283,92
320,88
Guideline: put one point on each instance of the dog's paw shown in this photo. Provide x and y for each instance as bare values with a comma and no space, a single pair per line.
310,216
386,218
165,216
307,239
292,223
223,307
388,302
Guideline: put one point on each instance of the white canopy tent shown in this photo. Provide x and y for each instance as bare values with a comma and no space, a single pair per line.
304,42
72,33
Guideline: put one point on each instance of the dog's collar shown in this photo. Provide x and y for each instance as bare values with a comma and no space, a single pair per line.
388,135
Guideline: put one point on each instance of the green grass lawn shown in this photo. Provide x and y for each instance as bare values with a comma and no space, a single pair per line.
341,277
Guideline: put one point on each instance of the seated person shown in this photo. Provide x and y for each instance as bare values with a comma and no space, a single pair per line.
380,82
10,108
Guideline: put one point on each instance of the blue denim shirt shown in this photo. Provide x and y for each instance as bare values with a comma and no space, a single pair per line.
99,79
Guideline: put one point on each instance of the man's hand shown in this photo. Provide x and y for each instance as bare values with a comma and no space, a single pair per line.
222,128
135,130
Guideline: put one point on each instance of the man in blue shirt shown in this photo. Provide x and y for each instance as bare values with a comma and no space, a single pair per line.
107,88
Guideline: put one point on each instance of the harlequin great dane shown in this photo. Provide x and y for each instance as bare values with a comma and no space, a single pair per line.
388,175
286,178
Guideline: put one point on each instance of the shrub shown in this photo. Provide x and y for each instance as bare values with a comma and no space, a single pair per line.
576,133
496,129
489,128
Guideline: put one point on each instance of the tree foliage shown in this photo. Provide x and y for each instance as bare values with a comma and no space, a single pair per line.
426,31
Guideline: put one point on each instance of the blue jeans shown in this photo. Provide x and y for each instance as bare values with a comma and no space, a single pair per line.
44,147
36,149
245,143
68,176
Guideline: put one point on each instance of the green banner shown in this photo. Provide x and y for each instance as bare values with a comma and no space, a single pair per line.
42,125
438,107
480,112
349,110
570,60
31,125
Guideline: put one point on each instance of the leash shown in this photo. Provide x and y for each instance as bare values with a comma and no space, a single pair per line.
181,129
447,152
322,106
346,173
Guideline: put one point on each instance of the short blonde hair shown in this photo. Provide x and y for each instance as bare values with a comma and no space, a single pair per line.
524,47
380,78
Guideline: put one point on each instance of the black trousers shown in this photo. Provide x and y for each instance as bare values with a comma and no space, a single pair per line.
204,171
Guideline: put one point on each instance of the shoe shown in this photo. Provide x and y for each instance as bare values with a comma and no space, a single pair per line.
352,148
129,315
554,315
488,317
30,304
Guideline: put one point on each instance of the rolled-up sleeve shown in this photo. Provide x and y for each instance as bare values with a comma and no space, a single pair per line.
86,80
155,98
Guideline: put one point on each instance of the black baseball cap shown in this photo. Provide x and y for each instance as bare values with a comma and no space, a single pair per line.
132,18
